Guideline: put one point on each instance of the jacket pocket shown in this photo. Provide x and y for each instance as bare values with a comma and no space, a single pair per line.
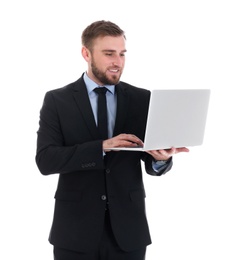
68,195
137,195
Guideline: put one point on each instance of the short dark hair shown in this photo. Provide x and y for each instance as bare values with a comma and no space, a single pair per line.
100,29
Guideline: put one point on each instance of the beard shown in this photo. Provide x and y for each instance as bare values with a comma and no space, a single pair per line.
102,77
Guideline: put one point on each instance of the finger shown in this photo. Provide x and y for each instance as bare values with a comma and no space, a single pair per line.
132,138
182,149
165,153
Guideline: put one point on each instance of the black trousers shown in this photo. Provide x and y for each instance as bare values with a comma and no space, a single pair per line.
107,250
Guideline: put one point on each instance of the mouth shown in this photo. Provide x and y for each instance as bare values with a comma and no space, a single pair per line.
114,70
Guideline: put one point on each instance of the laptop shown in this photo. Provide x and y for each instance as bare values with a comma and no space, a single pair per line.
176,118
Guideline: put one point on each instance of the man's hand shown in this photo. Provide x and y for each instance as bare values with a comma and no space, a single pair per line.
126,140
122,140
165,154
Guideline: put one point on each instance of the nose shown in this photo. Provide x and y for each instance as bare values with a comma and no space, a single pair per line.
118,61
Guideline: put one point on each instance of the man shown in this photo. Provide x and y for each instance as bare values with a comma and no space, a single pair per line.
100,198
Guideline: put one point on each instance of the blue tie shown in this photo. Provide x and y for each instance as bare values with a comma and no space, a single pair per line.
102,112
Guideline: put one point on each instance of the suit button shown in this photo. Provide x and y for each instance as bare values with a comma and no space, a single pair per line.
108,171
103,197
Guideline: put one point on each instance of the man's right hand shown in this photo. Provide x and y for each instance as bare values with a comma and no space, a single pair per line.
122,140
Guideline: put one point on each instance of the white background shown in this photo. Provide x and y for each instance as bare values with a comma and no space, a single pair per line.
171,44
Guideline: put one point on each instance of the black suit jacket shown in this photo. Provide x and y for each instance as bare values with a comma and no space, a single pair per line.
68,143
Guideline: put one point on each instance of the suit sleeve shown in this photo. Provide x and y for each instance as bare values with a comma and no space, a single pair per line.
52,156
147,158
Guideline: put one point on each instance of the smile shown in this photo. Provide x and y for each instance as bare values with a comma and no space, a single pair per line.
114,71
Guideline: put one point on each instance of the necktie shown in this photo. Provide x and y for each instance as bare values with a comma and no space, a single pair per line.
102,112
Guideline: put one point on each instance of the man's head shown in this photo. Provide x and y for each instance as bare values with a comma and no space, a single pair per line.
103,47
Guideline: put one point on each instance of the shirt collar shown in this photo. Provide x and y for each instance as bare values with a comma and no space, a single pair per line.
91,85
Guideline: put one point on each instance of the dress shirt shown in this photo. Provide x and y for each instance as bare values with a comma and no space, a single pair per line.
111,102
111,109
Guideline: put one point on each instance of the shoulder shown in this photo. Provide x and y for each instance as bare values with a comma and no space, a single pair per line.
67,90
133,91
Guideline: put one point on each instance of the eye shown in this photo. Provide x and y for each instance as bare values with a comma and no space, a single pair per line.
108,53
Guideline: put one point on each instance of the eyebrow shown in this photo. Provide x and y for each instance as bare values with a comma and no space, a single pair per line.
113,51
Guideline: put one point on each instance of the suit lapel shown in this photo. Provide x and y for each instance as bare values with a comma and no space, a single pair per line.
84,105
122,104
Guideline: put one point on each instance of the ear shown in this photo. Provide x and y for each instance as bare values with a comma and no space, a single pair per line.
86,53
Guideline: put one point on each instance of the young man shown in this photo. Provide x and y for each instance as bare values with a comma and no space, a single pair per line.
100,198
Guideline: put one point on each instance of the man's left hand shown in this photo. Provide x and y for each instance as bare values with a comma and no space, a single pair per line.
165,154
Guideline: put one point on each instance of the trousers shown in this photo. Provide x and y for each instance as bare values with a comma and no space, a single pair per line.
108,249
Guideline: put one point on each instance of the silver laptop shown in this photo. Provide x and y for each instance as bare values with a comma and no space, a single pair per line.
176,118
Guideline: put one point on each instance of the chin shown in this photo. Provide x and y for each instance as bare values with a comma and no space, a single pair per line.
114,80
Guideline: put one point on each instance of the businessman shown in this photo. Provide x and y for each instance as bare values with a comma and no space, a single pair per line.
100,198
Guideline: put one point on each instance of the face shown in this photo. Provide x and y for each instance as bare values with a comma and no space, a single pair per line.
106,60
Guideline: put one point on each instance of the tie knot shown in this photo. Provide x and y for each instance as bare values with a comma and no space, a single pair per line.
101,90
